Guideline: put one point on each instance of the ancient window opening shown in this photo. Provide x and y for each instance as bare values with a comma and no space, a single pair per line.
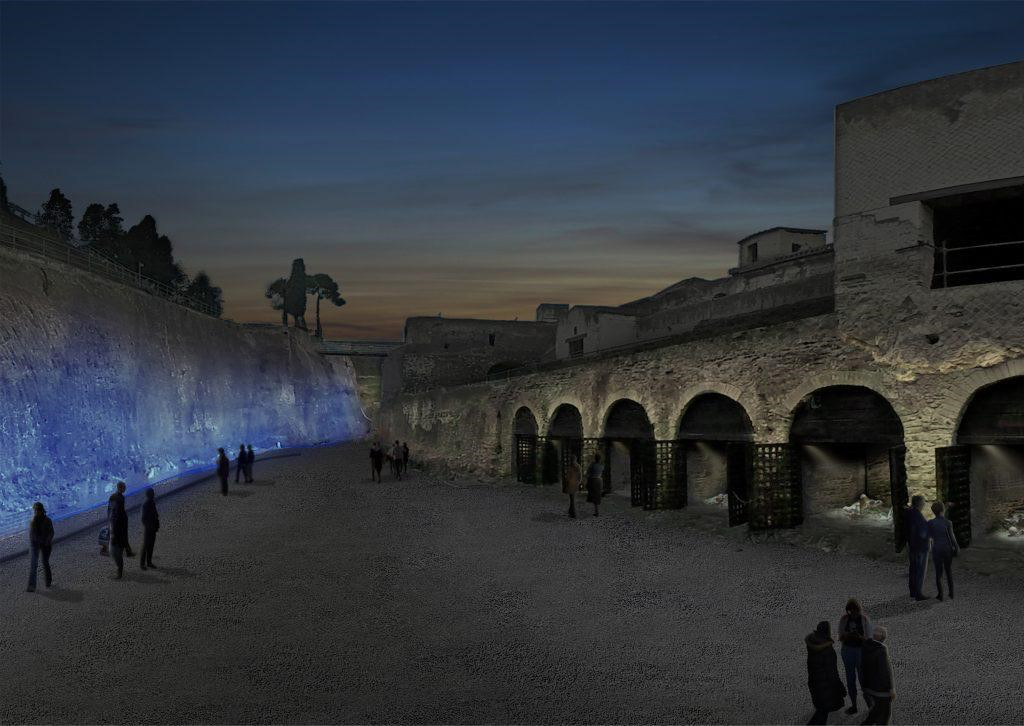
752,252
576,347
978,237
796,247
490,339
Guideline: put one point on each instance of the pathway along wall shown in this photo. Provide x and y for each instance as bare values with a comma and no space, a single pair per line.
100,382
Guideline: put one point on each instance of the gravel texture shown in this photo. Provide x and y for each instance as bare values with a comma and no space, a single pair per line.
317,596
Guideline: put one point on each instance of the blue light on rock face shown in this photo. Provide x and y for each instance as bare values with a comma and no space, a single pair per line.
99,382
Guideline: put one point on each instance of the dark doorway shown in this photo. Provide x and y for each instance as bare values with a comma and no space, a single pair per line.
632,459
714,436
565,438
524,435
983,475
849,439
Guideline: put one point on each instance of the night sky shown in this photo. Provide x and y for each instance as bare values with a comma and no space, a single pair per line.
472,159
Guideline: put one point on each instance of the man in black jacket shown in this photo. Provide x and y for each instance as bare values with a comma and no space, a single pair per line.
223,469
150,526
118,534
250,459
876,678
116,498
917,540
240,464
40,538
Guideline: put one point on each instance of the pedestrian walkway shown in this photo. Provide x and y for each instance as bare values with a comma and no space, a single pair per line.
316,596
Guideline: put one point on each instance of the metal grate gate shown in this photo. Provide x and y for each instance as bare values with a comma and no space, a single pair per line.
899,494
953,481
777,492
526,458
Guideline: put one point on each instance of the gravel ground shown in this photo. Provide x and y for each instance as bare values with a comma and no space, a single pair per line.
317,596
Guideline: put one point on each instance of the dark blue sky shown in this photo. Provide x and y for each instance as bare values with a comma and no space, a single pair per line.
470,159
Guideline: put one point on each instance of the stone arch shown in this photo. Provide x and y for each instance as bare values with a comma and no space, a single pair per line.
962,393
875,382
524,422
706,394
627,418
654,412
572,401
565,421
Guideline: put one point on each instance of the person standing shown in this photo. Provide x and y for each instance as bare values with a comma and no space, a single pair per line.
877,678
118,535
250,461
917,541
944,548
376,461
854,629
223,469
405,457
40,539
150,526
571,483
115,499
595,472
396,459
240,463
827,689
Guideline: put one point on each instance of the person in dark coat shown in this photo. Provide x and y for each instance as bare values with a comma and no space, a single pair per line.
396,460
944,548
150,526
118,535
40,540
854,629
240,463
405,457
376,461
250,461
917,541
571,483
118,498
877,678
827,690
223,469
595,474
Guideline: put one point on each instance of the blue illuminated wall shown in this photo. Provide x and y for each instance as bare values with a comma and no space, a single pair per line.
100,382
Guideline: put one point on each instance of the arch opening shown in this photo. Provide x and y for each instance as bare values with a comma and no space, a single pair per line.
990,441
524,445
629,451
715,434
850,446
564,441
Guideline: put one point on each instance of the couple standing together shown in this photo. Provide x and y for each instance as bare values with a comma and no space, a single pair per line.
574,475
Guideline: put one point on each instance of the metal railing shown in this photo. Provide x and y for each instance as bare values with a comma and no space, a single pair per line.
88,259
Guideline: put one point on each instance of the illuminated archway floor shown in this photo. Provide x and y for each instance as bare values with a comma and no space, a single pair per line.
315,596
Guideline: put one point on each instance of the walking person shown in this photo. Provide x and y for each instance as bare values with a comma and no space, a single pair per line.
595,472
117,499
376,461
250,460
223,469
827,689
405,457
917,541
396,459
150,526
118,535
854,629
40,540
240,463
877,678
944,548
571,483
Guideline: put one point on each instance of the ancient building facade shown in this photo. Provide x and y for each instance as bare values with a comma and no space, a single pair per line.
886,361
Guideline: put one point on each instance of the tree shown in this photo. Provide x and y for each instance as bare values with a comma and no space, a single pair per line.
102,228
295,294
275,293
204,291
324,288
56,214
3,195
154,251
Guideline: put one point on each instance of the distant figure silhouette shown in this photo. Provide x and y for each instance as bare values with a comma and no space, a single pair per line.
118,534
396,460
241,463
118,496
571,483
827,690
878,684
944,548
405,457
854,629
40,539
223,469
150,526
376,461
917,539
595,473
250,459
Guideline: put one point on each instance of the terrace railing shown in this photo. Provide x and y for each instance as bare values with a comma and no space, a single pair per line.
50,247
